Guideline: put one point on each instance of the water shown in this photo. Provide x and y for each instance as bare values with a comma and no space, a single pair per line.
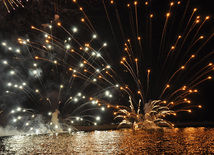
161,141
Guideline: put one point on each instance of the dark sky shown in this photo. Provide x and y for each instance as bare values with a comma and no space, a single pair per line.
36,12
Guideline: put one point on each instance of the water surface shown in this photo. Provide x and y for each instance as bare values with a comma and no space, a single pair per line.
161,141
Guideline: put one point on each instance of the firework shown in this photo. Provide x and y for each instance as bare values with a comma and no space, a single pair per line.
57,83
163,86
12,3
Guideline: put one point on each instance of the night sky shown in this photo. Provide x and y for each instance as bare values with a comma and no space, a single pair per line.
17,24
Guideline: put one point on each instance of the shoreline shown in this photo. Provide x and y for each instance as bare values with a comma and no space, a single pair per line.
194,124
124,126
115,126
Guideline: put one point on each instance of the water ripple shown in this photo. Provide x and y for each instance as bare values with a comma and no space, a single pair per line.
161,141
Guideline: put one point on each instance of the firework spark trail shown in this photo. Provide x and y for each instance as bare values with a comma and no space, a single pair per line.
13,4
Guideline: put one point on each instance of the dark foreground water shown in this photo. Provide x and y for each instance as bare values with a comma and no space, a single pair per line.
161,141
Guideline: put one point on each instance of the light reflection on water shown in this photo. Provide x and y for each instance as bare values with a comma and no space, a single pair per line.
161,141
